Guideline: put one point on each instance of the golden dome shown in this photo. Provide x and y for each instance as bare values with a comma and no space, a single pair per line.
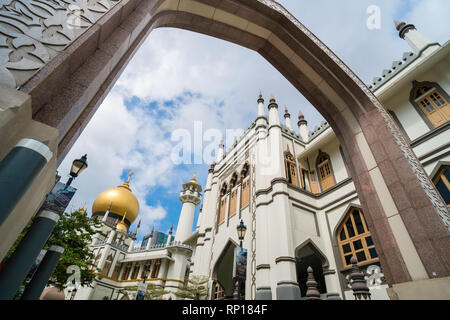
121,225
193,179
121,199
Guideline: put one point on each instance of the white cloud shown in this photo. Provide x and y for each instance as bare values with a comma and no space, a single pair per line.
216,82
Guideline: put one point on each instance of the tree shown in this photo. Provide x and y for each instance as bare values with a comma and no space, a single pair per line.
153,292
196,288
74,233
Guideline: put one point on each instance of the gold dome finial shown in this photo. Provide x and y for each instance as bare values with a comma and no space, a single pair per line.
121,225
193,178
129,177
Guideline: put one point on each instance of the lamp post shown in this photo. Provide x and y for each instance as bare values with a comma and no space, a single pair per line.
241,229
19,263
78,166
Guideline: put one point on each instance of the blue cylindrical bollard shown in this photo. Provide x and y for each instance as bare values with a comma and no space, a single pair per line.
18,170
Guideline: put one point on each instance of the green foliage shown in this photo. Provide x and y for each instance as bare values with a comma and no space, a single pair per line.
154,292
195,289
74,233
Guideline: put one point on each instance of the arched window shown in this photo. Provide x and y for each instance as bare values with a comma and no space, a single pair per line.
291,168
354,239
442,183
218,291
155,270
233,195
432,101
223,202
324,171
126,272
245,185
108,262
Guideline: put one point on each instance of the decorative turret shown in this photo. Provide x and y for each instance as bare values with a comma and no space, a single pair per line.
260,105
273,112
107,213
287,118
149,240
190,197
220,151
303,126
415,39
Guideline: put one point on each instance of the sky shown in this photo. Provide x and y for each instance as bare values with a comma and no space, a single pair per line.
184,84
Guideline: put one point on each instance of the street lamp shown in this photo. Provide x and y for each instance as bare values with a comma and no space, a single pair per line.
241,229
78,166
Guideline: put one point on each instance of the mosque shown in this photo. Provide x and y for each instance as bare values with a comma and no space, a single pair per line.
292,189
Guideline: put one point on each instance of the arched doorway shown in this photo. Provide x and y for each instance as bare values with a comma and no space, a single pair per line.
309,256
224,273
67,90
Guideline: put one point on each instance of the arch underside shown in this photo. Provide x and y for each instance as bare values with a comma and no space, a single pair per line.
380,160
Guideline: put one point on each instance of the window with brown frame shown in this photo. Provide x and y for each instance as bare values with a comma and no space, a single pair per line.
233,202
291,168
108,262
442,183
324,171
223,205
245,193
218,292
354,239
126,272
116,272
432,102
155,270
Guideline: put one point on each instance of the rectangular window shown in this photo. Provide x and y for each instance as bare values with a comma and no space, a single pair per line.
245,192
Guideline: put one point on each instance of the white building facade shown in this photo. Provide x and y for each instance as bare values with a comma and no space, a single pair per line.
294,192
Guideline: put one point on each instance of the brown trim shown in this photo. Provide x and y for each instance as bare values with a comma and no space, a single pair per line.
284,259
263,266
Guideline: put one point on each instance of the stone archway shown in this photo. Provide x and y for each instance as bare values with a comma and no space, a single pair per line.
407,216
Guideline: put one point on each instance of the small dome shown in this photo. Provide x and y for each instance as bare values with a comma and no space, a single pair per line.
193,180
121,199
52,294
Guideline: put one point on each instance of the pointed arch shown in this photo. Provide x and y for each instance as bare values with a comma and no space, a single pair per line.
223,267
325,172
291,168
354,238
245,185
233,195
223,203
431,102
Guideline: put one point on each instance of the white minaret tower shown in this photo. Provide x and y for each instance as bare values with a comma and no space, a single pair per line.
220,151
274,118
415,39
287,118
190,197
303,127
260,105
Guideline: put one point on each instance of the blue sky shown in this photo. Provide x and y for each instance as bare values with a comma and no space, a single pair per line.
178,78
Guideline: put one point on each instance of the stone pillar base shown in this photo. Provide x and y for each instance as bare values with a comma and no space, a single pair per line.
263,293
427,289
288,290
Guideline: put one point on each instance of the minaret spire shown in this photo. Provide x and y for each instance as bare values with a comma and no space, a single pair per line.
287,118
260,105
220,151
415,39
303,127
190,197
273,112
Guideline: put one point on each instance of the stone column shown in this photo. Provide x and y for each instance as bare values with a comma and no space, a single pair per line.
20,262
18,170
40,278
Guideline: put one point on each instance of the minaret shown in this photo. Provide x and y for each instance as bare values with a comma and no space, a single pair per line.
190,197
220,151
261,120
274,118
169,238
107,213
287,118
150,239
260,105
303,127
415,39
